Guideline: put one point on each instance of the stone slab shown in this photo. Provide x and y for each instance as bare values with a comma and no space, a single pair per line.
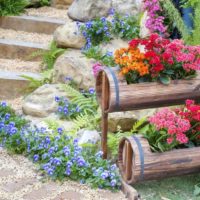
19,49
31,23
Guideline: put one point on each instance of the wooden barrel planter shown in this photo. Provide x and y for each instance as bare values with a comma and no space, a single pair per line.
114,95
138,163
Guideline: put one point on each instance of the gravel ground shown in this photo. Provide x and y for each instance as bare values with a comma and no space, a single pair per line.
19,180
48,12
26,37
15,103
17,65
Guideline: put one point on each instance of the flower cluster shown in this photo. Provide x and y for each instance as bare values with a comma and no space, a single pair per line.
155,22
175,128
131,60
162,58
58,154
103,30
191,112
66,109
96,31
96,68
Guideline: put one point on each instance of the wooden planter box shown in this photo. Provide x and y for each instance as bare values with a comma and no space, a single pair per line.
138,163
114,95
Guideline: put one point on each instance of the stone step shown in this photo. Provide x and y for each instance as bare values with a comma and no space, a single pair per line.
13,85
31,23
19,49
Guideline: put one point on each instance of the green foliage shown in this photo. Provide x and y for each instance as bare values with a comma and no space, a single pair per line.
114,139
194,38
96,31
102,30
89,115
189,3
44,2
49,57
174,16
125,27
87,121
86,102
14,123
34,83
12,7
106,58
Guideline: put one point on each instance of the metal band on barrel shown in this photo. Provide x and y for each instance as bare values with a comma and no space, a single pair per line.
116,88
141,154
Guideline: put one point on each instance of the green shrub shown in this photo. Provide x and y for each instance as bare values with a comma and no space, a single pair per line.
49,57
12,7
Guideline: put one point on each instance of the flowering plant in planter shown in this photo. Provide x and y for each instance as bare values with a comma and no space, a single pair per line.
169,129
158,59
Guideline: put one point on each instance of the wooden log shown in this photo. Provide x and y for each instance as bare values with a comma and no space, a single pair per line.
124,97
147,165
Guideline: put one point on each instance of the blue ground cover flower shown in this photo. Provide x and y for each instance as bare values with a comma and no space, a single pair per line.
56,153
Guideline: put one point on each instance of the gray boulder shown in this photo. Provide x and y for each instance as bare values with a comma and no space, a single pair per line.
75,65
88,136
68,36
85,10
41,103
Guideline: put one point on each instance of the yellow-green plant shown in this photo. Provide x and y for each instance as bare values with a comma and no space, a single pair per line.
12,7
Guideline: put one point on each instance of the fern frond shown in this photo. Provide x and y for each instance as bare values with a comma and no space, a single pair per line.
52,124
139,124
88,104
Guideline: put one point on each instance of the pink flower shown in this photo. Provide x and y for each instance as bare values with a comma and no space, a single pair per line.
96,68
170,140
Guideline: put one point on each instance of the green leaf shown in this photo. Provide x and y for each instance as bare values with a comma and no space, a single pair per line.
196,190
169,72
165,80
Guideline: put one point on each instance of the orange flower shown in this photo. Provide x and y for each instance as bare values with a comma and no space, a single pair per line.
131,59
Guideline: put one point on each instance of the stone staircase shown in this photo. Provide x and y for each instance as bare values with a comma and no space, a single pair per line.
20,37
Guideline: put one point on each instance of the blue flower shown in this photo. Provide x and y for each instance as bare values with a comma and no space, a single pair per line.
60,109
3,104
99,31
105,175
113,183
36,157
89,24
7,116
68,172
69,164
57,161
91,90
113,167
47,140
111,11
103,19
81,162
13,130
99,154
109,53
68,78
60,130
50,171
57,99
12,124
66,151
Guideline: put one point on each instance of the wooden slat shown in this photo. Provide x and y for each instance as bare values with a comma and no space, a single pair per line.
159,165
